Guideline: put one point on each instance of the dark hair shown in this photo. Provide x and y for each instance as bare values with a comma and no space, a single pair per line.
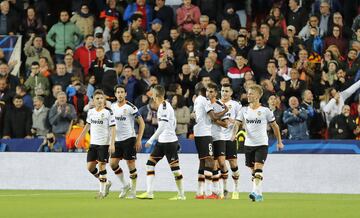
17,97
22,88
128,66
227,85
260,35
102,48
200,89
213,86
180,101
88,35
35,63
214,38
98,92
134,17
119,86
45,58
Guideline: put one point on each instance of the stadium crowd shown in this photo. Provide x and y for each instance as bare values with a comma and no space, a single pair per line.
304,53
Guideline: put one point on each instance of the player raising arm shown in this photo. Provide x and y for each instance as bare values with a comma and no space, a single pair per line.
101,122
167,145
255,119
127,144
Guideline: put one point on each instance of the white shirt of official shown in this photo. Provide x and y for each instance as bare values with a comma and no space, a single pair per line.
255,123
234,109
100,123
202,107
125,120
165,133
218,132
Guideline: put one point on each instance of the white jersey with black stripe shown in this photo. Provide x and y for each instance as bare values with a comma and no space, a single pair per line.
166,114
218,132
202,107
234,109
255,122
125,116
100,123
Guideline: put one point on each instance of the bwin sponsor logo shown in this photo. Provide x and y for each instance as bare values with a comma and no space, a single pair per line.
256,121
97,121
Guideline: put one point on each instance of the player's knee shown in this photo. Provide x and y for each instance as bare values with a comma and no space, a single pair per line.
133,174
150,168
233,163
114,165
224,174
102,176
258,174
117,169
209,163
151,163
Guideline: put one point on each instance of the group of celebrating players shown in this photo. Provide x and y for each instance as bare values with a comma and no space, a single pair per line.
217,122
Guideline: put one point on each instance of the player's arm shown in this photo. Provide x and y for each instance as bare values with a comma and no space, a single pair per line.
82,134
159,130
276,129
112,139
141,123
236,128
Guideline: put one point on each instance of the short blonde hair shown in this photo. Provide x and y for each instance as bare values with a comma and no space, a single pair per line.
257,88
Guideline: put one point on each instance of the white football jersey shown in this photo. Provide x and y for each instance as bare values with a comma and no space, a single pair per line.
255,123
100,121
166,116
125,120
202,107
218,132
234,109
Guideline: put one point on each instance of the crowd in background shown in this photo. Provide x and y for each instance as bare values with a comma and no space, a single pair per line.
304,53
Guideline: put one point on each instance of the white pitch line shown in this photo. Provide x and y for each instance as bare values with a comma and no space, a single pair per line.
40,194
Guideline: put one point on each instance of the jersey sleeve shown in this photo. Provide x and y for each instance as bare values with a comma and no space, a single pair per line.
135,112
208,107
88,119
163,116
269,116
240,115
111,118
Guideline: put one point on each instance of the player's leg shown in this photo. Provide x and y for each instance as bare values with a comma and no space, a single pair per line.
231,156
171,152
207,153
201,177
130,157
91,161
250,162
91,166
260,158
221,151
114,163
103,157
155,156
216,177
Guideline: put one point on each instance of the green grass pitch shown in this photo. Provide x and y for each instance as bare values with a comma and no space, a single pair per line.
67,204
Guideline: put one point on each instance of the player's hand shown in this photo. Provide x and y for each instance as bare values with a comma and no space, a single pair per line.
147,145
111,148
233,137
280,146
138,145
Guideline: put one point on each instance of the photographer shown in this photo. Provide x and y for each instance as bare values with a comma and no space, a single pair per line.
50,144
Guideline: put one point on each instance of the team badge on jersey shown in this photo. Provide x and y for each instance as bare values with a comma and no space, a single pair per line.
259,113
102,115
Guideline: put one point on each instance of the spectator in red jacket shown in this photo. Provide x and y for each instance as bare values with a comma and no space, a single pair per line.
86,54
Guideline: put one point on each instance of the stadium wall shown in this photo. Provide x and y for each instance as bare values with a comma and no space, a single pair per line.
283,173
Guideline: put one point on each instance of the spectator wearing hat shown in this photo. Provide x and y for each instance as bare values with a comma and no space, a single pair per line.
187,15
100,41
160,31
139,7
62,35
164,13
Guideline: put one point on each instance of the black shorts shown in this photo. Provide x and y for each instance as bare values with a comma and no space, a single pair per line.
231,150
204,146
255,154
170,150
219,148
125,149
99,153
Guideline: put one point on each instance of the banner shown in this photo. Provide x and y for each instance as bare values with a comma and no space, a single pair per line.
11,46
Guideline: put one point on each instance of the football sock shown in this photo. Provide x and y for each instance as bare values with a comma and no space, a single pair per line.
150,172
133,178
224,177
102,180
253,183
208,181
201,183
258,181
178,179
215,180
119,173
235,176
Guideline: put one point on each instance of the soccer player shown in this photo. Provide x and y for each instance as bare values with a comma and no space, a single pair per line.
218,135
167,145
204,115
231,150
101,122
126,144
255,119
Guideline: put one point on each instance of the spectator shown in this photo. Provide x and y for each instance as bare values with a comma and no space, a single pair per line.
187,80
314,43
197,37
279,18
242,46
110,80
313,22
337,39
177,43
76,93
236,74
295,118
273,77
90,87
294,86
352,64
342,126
61,77
164,13
285,45
208,70
84,20
159,30
112,30
17,122
50,144
86,54
325,17
115,54
342,82
274,104
316,121
9,21
305,67
214,46
110,12
34,50
73,67
188,50
61,114
100,40
128,79
344,29
139,7
135,27
283,69
165,71
5,93
148,112
295,43
12,80
32,24
40,123
27,99
128,47
75,128
153,43
229,60
99,65
259,56
144,82
63,34
230,15
51,98
145,56
187,15
296,15
210,8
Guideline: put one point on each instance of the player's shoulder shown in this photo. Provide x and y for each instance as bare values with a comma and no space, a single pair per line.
108,110
218,102
266,109
129,104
